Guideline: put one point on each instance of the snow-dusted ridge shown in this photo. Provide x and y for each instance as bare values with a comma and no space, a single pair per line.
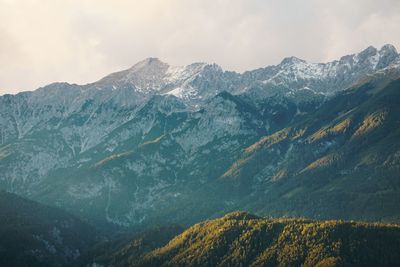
327,78
192,84
152,76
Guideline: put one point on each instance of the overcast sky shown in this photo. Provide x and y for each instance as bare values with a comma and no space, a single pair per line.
79,41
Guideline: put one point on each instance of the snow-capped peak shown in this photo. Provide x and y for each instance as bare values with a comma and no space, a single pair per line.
150,64
292,60
178,73
377,58
152,76
388,48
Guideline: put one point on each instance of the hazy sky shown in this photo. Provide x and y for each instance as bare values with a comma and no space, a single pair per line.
79,41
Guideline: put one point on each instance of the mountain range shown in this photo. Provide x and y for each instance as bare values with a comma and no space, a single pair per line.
159,144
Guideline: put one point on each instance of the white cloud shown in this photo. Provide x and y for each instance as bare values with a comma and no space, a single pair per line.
43,41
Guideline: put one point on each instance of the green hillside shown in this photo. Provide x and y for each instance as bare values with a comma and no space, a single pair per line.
242,239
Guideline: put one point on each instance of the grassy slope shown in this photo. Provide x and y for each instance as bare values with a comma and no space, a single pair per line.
241,239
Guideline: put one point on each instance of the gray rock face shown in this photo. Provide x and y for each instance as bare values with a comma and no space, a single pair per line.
126,148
